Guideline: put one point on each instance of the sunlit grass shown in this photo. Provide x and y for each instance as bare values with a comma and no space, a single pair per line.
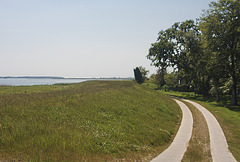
229,118
199,145
5,90
230,123
87,121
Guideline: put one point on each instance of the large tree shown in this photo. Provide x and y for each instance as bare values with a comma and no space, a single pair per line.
189,58
161,53
179,46
220,27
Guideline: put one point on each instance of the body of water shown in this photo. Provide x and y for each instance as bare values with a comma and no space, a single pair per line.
37,81
45,81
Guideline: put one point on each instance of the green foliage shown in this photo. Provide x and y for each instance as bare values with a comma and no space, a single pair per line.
206,53
171,79
160,52
138,75
221,37
152,79
160,80
89,121
144,72
228,117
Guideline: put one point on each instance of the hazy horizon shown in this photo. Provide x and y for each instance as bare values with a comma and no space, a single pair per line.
79,39
61,77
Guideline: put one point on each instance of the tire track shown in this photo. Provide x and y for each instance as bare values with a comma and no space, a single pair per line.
179,145
218,142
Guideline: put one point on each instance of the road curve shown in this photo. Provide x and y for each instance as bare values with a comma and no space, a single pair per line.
175,152
218,142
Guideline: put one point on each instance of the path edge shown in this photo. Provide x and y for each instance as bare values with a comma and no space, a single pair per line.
178,147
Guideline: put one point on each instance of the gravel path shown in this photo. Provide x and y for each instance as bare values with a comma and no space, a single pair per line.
218,142
179,145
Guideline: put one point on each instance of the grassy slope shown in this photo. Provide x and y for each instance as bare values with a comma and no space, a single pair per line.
87,121
228,119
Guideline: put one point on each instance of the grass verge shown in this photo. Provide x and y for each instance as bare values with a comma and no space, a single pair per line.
229,119
92,121
199,145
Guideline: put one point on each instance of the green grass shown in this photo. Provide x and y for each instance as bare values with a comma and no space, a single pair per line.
199,145
229,119
6,90
150,85
95,120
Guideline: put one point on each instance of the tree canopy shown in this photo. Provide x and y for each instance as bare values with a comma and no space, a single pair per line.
205,52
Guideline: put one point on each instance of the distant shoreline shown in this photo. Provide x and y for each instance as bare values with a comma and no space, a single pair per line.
31,80
31,77
50,77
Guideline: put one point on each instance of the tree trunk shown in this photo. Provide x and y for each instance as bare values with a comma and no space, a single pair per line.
233,58
234,79
217,91
162,77
234,92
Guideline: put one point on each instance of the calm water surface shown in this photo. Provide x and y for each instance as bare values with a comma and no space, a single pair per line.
37,81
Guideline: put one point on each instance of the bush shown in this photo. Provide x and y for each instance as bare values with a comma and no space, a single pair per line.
182,88
138,76
150,85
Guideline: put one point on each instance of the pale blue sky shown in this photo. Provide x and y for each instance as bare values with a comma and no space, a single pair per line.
90,38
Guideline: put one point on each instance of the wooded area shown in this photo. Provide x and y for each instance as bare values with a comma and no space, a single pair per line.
205,52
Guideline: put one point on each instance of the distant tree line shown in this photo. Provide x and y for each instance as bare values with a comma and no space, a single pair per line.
204,52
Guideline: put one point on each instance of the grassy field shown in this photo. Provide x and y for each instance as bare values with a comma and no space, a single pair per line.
95,120
229,119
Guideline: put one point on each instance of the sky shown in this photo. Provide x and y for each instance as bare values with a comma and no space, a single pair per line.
85,38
